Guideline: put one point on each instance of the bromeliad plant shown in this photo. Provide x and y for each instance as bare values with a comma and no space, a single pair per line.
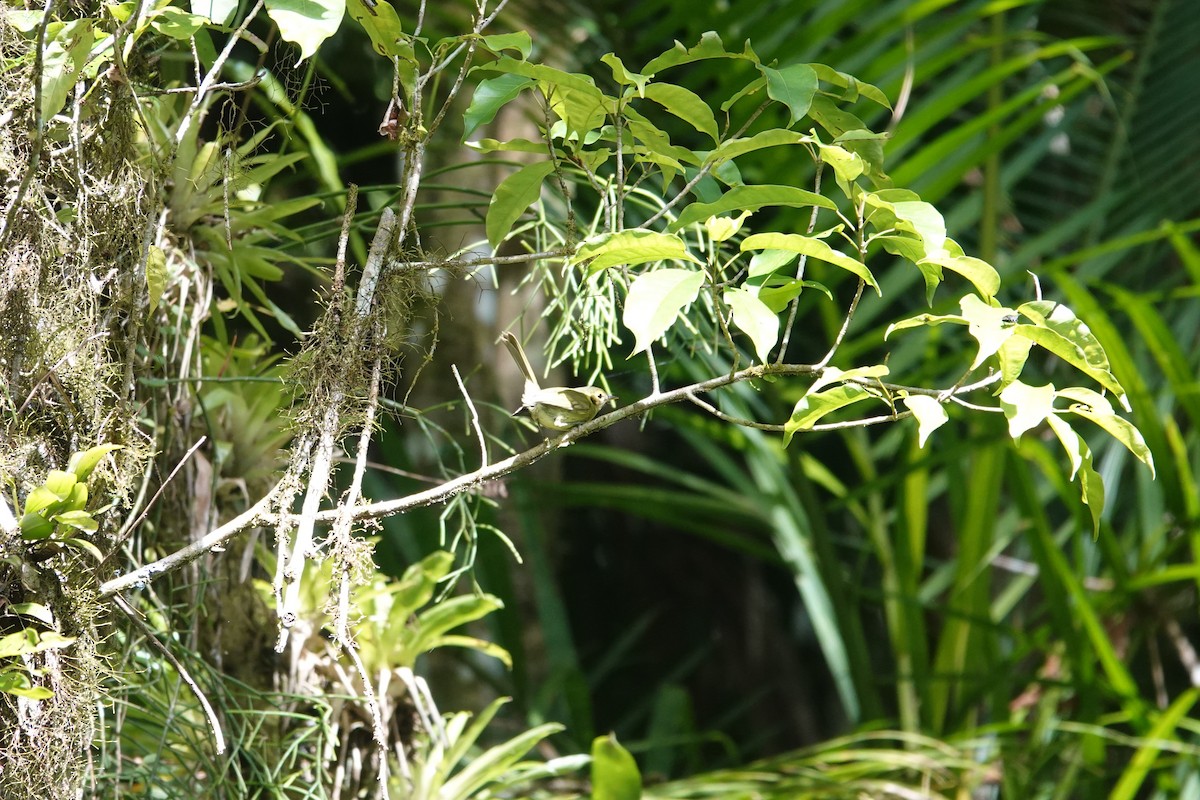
674,238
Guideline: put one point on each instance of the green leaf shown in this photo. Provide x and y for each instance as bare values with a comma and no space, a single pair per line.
1026,406
156,275
615,773
710,46
755,319
793,86
573,97
383,27
910,216
219,12
509,146
499,42
490,96
776,137
59,483
416,586
776,291
34,525
930,415
990,326
85,546
686,105
445,616
655,300
1056,328
1119,428
1090,484
623,76
16,682
765,262
83,462
811,247
751,198
306,23
634,246
982,275
849,82
722,229
812,407
1012,356
62,61
514,194
846,165
79,520
177,23
30,641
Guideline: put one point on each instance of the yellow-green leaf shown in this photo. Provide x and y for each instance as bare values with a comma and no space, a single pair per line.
811,247
631,247
615,774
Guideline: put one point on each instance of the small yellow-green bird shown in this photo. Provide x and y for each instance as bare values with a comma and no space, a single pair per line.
558,408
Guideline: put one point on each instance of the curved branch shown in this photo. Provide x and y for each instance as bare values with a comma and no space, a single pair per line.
259,514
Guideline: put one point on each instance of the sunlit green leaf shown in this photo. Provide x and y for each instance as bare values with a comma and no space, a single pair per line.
811,247
849,82
1056,328
710,46
990,326
623,76
812,407
655,300
776,137
631,247
79,520
66,52
1090,484
722,229
615,774
490,96
930,415
518,40
177,23
753,318
751,198
686,105
1120,429
1026,406
306,23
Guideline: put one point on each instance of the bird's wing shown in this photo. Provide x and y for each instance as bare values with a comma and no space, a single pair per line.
564,398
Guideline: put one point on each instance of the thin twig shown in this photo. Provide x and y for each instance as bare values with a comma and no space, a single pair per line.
206,85
213,722
800,266
704,170
483,453
260,515
257,514
129,526
837,342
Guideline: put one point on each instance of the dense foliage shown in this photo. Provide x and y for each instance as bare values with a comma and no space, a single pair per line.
897,499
